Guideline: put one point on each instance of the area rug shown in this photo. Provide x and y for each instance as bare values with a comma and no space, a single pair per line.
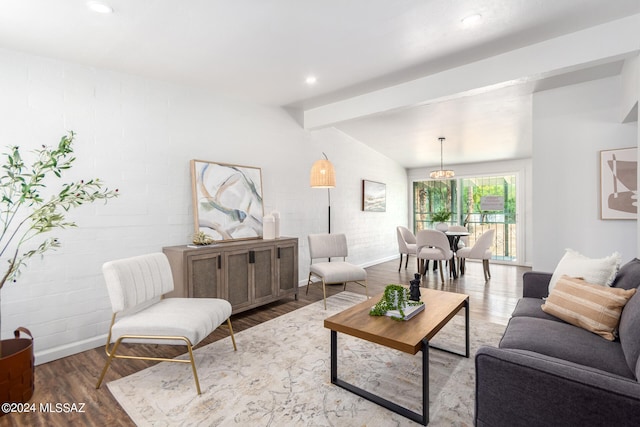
280,376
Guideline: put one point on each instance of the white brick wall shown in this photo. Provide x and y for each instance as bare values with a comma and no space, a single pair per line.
138,135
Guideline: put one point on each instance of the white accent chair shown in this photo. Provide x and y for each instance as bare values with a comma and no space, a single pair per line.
333,246
135,287
433,245
406,244
480,250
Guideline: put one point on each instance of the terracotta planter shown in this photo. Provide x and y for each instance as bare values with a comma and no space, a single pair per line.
16,368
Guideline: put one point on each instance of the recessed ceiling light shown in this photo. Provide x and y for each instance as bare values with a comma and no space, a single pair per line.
471,20
311,80
99,7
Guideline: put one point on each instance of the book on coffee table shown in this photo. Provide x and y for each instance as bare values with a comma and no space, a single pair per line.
409,312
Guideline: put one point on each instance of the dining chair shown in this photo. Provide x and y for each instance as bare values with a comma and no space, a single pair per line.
406,244
480,250
141,316
333,246
433,245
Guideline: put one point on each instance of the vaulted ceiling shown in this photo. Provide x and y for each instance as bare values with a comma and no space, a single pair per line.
375,52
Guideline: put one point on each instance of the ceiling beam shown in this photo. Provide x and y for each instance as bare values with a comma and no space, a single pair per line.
597,45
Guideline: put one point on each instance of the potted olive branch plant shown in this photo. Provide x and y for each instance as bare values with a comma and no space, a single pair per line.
440,218
26,215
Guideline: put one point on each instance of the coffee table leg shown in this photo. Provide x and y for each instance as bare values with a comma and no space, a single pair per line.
334,357
419,418
466,326
467,352
425,382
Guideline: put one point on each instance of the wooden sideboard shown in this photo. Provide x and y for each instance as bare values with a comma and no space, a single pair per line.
247,273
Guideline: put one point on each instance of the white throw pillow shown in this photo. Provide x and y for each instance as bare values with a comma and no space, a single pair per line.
599,271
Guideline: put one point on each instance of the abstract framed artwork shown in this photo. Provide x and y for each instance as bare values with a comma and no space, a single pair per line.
374,196
227,200
618,184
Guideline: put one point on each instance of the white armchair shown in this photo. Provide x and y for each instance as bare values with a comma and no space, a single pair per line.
140,315
333,246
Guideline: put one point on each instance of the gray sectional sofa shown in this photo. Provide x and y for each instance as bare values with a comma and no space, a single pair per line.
546,372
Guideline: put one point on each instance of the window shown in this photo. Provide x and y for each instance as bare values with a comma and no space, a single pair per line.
479,213
430,197
478,203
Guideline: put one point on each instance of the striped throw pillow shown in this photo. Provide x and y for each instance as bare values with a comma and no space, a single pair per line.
595,308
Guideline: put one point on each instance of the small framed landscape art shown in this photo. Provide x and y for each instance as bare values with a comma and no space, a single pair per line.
618,184
227,200
374,196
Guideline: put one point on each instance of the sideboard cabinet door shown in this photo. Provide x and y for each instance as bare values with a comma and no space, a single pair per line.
205,275
287,268
263,273
236,271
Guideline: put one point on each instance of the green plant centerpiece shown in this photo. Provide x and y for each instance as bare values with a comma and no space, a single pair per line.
442,215
25,214
395,298
440,218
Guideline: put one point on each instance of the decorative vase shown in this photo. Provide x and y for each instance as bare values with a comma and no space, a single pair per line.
442,226
269,227
16,368
276,217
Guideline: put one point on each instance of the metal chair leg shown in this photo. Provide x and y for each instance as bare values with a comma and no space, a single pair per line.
108,363
193,366
324,293
233,338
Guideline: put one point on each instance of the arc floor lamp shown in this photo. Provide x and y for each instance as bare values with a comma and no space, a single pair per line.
323,175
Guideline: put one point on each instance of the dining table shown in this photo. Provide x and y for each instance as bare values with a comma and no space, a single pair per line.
454,239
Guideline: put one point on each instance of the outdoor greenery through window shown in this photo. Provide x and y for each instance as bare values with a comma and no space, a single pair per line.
479,203
430,197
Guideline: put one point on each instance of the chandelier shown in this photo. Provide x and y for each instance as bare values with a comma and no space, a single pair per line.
441,173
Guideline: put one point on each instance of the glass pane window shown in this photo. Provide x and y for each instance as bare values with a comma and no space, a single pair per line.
478,203
431,197
490,202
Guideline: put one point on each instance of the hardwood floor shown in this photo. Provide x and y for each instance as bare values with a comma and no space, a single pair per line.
72,380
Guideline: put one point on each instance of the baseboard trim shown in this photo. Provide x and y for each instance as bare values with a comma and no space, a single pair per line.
70,349
379,261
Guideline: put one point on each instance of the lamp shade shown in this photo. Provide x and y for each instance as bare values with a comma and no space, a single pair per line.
322,174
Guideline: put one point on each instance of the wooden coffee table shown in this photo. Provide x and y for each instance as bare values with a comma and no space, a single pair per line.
408,336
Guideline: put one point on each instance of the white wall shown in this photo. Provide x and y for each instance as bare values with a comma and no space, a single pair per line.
138,136
371,235
521,168
630,89
570,127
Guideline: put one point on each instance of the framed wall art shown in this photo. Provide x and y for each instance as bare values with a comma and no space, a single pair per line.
618,184
227,200
374,196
